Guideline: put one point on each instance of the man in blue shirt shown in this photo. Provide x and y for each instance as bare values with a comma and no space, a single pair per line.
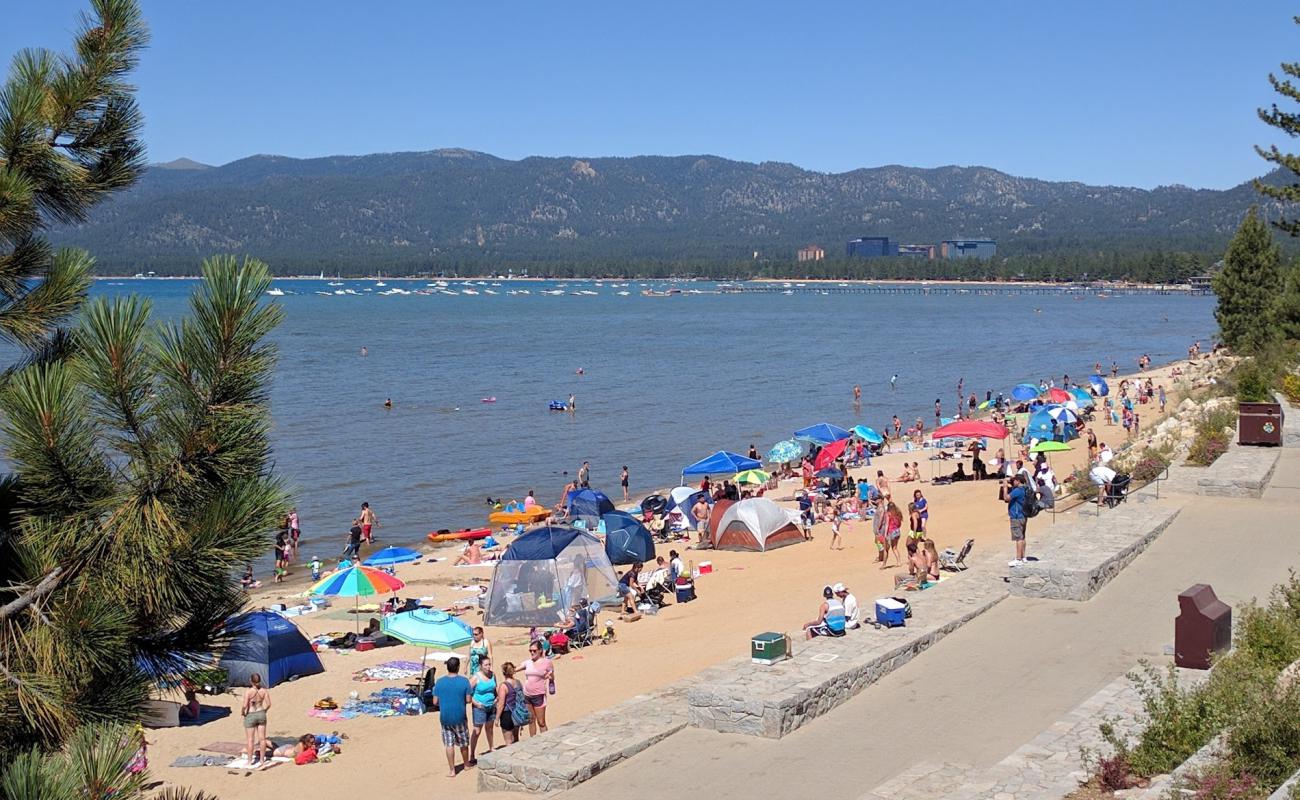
451,693
1016,513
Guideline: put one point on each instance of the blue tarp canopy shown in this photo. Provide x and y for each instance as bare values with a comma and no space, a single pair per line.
589,503
626,540
722,463
271,646
542,543
1042,426
821,433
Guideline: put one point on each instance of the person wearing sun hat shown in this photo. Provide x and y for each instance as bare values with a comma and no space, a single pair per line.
852,616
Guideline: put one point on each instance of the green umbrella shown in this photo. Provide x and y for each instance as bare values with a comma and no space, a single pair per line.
755,476
1049,446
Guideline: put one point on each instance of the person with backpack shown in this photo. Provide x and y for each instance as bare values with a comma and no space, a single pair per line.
510,699
1018,505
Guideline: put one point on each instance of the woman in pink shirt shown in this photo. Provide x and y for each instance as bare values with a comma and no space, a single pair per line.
539,680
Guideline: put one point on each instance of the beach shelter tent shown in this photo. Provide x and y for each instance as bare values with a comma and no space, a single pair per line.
721,463
821,433
543,573
971,427
1042,425
827,455
589,505
715,516
683,499
627,540
270,645
755,524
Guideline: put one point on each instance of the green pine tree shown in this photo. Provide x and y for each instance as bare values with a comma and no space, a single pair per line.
1248,287
69,137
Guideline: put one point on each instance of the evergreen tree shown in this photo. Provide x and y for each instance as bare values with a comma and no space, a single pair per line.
1248,287
69,136
1289,302
1289,123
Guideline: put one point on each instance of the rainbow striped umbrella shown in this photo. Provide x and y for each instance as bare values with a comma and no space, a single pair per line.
356,582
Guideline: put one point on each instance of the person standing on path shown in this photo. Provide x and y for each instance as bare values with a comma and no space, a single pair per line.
483,699
539,681
622,479
368,523
451,693
1016,516
257,701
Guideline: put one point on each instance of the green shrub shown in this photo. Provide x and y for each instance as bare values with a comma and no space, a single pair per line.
1291,388
1206,448
1272,632
1149,466
1180,721
1255,379
1266,742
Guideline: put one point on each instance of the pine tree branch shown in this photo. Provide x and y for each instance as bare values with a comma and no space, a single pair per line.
52,580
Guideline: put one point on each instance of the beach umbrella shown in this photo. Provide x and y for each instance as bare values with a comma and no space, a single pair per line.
1082,397
971,427
355,582
428,628
1099,385
754,476
827,455
829,472
784,451
1061,414
392,555
868,434
1050,446
1057,395
1024,391
821,433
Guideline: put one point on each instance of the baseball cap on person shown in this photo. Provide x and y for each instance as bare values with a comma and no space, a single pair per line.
838,588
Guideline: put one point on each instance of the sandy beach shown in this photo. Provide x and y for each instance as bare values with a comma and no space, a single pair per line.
746,593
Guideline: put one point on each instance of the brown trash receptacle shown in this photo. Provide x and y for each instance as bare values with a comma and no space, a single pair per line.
1259,423
1203,627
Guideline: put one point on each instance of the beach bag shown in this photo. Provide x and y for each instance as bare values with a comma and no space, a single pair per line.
1032,506
519,711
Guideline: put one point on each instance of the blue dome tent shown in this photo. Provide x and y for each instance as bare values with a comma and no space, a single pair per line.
589,504
543,573
627,540
270,645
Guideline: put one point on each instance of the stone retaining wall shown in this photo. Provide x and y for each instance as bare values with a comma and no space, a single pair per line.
1240,472
571,753
1290,422
1087,554
738,696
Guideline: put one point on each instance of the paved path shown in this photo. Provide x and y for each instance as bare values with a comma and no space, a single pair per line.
994,685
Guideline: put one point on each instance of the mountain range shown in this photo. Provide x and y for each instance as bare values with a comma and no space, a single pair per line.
406,212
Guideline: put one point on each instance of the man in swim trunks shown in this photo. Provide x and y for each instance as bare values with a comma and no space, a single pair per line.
701,513
368,523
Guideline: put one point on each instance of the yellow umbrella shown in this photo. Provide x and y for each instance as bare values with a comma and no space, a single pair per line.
755,476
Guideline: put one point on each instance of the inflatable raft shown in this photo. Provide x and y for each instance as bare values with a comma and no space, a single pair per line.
456,536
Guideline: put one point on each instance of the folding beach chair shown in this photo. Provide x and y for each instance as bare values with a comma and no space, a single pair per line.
952,561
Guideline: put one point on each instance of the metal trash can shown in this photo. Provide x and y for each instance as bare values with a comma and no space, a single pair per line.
1203,627
1259,423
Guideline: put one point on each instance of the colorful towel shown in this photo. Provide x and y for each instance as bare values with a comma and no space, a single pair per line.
390,671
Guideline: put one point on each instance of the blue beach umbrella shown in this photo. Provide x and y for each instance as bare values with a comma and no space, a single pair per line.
1082,397
868,434
821,433
428,628
781,452
829,472
1099,385
392,555
1024,391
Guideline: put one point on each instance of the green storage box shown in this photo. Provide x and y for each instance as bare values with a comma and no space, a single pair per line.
768,648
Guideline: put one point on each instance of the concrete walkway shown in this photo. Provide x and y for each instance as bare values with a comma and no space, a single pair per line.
998,682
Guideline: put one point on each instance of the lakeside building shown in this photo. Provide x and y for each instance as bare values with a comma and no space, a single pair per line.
872,247
968,248
811,253
917,251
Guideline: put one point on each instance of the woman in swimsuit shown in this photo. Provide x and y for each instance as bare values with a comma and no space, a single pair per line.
257,701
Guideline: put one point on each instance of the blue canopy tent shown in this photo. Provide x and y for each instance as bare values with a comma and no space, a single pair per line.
627,541
589,505
821,433
543,573
1044,425
270,645
721,463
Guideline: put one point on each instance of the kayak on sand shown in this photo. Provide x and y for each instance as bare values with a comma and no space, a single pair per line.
455,536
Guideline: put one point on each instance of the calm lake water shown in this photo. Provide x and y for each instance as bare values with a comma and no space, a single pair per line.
668,380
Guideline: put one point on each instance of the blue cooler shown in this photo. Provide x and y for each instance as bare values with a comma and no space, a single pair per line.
890,612
685,592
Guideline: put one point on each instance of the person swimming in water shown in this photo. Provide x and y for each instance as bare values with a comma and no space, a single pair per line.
364,351
893,382
388,403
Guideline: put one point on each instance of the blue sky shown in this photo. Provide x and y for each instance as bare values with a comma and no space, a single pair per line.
1135,92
